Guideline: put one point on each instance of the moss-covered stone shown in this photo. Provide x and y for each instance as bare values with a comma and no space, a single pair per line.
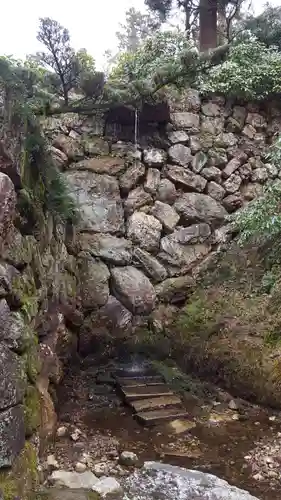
32,361
31,410
22,479
25,293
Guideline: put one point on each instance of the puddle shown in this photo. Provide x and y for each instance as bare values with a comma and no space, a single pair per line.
217,439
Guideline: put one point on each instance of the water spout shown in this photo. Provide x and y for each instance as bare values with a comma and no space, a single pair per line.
136,132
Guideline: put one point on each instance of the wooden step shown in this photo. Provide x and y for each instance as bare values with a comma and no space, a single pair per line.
139,381
154,403
144,392
157,416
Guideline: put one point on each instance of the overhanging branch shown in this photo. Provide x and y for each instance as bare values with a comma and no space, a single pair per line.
191,63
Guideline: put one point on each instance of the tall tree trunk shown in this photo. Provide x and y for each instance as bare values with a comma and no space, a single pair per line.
208,24
222,23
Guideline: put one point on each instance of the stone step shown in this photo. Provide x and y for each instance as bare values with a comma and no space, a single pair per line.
154,403
139,381
157,416
144,392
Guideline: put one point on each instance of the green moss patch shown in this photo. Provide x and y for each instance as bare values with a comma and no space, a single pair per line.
22,479
31,410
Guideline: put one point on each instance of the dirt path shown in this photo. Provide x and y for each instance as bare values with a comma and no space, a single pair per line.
232,439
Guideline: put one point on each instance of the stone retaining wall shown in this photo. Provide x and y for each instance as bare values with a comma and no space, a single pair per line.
152,213
37,295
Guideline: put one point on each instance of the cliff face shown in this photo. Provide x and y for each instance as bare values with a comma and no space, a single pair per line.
37,293
151,216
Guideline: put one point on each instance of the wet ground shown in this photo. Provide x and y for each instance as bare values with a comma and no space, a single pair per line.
229,438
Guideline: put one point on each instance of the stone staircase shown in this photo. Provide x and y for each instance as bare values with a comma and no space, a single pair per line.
150,398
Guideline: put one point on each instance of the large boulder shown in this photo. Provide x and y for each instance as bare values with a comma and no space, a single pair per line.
118,251
69,146
117,317
98,198
197,207
166,191
93,281
12,378
133,289
137,199
12,435
185,120
166,214
129,179
174,290
154,157
104,165
145,231
179,254
16,334
152,180
186,177
9,161
180,154
7,205
171,482
149,264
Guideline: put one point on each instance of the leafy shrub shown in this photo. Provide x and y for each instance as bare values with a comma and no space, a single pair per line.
261,219
251,71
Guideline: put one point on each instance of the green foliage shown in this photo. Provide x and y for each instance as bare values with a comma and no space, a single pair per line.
159,59
43,182
197,317
44,187
137,28
266,26
161,7
67,67
269,279
261,219
251,71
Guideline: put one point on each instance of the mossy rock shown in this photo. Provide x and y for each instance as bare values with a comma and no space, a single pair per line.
23,333
32,361
31,410
25,293
23,478
19,249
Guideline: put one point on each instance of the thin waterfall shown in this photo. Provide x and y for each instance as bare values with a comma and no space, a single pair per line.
136,131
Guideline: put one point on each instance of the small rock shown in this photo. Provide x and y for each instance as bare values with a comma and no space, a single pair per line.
101,469
272,418
80,467
232,405
74,480
258,477
62,431
107,486
128,458
86,459
181,426
76,435
52,462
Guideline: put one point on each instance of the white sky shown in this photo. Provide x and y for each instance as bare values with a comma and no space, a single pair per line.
92,23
